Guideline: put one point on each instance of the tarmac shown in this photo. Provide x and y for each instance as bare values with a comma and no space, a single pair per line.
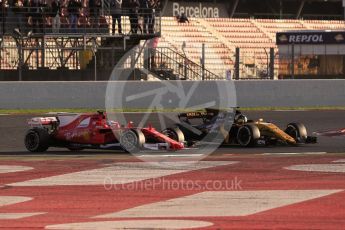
232,188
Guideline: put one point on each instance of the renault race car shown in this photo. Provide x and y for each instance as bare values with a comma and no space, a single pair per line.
242,132
93,131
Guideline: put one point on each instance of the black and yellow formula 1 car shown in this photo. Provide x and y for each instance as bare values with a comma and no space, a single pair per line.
194,126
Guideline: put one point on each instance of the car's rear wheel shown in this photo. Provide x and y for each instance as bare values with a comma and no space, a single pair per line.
248,135
37,140
174,133
297,131
132,140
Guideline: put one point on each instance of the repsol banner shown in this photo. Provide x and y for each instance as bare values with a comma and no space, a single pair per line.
333,37
196,9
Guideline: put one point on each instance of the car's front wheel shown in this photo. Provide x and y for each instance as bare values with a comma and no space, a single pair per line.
248,135
132,140
174,133
297,131
37,140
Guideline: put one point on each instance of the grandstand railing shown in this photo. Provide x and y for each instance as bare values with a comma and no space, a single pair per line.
167,64
181,66
39,21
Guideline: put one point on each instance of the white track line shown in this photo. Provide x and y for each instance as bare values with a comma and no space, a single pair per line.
132,224
339,161
300,153
289,110
120,173
220,204
334,168
171,155
9,200
14,216
13,168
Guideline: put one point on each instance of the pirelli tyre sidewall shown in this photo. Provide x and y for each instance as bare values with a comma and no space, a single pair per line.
37,140
297,131
174,133
248,135
132,140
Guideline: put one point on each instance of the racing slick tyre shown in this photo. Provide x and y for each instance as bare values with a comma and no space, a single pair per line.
297,131
174,133
37,140
248,135
132,140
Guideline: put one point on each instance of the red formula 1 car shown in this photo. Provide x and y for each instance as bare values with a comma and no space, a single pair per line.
93,131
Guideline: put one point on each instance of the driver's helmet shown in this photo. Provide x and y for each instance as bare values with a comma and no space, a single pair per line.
240,118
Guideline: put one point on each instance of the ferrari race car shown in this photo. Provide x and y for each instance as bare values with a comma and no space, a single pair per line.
243,132
93,131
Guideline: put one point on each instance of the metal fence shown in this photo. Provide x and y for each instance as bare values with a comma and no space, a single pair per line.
256,63
47,52
34,38
28,21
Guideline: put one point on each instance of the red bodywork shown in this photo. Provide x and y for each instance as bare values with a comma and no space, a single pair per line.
95,129
88,129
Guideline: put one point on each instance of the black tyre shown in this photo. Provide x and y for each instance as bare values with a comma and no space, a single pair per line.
248,135
37,140
174,133
132,140
297,131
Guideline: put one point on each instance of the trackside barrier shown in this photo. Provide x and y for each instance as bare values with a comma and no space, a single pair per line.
282,93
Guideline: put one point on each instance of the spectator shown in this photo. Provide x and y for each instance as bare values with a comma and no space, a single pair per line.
133,15
144,13
116,14
95,7
28,13
18,9
153,5
3,15
92,7
56,10
152,46
36,11
73,11
84,21
183,18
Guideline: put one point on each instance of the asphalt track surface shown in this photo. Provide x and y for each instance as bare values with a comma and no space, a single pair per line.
233,188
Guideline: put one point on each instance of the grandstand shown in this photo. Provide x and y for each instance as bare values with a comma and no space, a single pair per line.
253,36
233,24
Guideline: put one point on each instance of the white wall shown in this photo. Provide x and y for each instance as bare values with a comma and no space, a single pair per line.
283,93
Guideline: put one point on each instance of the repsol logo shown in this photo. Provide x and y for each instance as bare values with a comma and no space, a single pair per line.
313,38
195,11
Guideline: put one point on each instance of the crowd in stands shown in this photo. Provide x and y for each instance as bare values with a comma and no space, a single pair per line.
77,16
